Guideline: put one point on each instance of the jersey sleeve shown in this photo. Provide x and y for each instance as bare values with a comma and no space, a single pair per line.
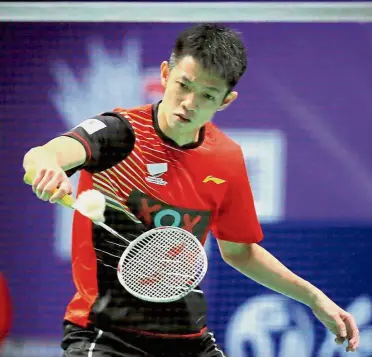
236,219
108,138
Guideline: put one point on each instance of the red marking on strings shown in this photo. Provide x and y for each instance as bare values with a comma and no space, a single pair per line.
156,276
177,250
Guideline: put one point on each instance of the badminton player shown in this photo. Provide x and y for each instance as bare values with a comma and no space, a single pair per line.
166,164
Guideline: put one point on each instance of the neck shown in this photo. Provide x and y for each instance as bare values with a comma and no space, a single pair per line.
179,138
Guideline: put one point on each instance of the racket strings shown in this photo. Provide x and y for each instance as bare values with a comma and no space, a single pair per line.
163,264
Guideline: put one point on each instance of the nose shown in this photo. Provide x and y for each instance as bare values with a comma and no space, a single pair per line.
189,103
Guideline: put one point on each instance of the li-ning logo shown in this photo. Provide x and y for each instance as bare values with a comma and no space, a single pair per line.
216,180
155,171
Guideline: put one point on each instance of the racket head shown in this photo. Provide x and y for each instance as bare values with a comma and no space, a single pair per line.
162,265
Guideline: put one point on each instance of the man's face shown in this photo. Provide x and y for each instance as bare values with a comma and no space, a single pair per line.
192,96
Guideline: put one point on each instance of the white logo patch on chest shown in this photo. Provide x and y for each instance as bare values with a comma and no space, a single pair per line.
155,171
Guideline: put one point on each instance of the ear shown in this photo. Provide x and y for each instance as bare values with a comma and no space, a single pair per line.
164,73
228,100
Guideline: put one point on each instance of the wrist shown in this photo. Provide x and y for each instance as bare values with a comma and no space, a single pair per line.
314,295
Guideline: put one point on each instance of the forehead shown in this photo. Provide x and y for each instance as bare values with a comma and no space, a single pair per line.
190,69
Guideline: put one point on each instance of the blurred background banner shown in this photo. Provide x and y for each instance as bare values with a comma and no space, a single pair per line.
303,119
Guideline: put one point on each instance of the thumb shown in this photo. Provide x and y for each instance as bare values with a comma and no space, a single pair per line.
339,340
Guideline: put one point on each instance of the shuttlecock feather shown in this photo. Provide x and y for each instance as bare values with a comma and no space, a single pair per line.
91,203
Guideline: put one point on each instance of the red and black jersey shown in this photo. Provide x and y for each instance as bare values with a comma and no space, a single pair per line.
149,181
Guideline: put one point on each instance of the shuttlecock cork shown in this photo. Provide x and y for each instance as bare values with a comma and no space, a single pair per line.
91,203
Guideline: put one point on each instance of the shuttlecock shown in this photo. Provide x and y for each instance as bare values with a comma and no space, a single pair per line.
91,203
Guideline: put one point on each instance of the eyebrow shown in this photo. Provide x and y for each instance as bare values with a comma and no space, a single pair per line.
184,78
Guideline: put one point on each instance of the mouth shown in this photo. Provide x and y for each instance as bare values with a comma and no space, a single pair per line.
183,119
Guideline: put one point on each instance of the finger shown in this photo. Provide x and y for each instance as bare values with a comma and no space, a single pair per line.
350,349
354,342
339,340
44,181
64,189
353,332
53,186
48,184
341,327
39,176
351,327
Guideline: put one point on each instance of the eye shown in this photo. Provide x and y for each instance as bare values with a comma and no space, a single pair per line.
182,85
208,97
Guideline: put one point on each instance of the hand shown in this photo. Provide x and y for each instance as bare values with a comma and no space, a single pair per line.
338,321
47,181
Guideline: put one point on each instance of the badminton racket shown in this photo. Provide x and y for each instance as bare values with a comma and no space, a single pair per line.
161,265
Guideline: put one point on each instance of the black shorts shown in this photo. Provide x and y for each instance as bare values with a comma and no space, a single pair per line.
92,342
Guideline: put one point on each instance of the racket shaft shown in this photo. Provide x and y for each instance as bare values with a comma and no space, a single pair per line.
112,231
181,287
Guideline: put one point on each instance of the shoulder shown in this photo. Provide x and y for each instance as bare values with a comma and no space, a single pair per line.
221,157
222,147
141,113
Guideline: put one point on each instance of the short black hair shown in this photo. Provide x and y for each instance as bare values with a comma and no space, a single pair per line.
217,48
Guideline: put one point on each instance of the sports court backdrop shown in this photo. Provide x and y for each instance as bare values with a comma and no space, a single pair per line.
303,118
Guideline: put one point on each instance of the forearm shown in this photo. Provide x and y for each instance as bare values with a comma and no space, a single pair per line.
261,266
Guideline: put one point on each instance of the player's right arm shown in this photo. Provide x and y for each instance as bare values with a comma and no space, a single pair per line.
94,145
50,162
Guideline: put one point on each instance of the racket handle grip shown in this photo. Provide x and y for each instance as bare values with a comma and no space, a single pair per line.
67,201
